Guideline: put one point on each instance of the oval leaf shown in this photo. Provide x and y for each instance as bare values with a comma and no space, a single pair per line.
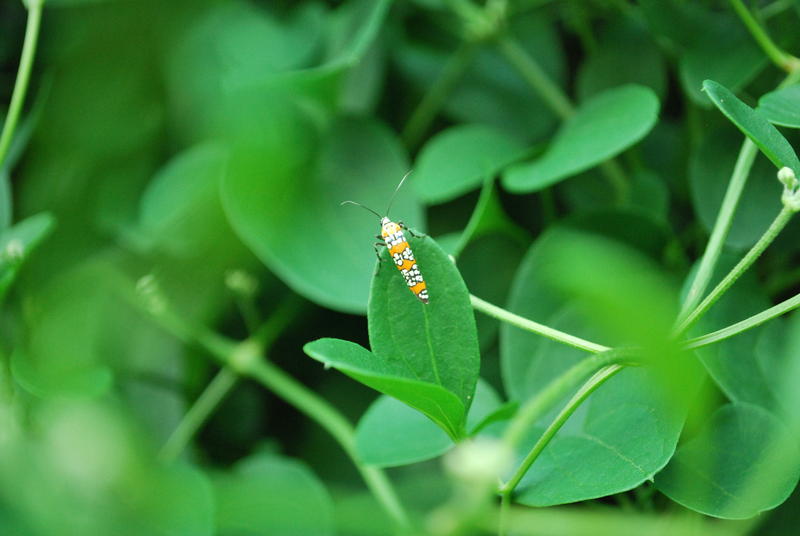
601,128
753,125
744,462
458,160
393,378
782,107
436,342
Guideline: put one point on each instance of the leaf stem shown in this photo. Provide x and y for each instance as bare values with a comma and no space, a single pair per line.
758,248
599,377
197,415
23,76
779,57
442,87
540,329
535,76
722,225
748,323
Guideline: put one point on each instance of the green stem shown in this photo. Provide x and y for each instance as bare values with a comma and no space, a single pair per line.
748,323
540,329
766,239
23,76
213,394
722,225
778,56
331,420
433,100
535,76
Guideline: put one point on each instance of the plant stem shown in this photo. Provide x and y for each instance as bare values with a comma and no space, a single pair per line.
766,239
23,76
722,225
748,323
778,56
203,407
433,100
529,325
331,420
535,76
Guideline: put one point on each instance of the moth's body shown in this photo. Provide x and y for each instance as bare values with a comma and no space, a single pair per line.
403,257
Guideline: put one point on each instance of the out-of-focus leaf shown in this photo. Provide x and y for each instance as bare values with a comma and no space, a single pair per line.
604,126
393,378
437,341
626,54
6,208
627,430
744,462
460,158
753,125
391,433
648,194
782,107
491,92
17,243
282,193
269,494
710,167
181,209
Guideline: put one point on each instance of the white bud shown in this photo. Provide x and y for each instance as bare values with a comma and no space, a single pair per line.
787,178
482,459
241,282
14,250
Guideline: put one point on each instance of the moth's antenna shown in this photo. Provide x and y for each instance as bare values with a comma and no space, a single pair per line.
360,205
391,199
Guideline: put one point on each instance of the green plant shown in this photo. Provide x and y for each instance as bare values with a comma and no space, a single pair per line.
574,185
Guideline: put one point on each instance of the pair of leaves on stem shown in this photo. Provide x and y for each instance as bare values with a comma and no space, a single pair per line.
424,355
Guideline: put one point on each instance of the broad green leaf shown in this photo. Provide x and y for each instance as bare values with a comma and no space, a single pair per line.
753,125
283,190
601,128
394,378
648,194
491,92
270,494
460,159
782,107
17,243
627,430
437,342
711,164
181,210
744,462
391,433
625,54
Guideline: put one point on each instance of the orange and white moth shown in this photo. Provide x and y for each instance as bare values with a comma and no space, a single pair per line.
394,239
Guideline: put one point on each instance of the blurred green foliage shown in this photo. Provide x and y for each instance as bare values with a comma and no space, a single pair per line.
173,249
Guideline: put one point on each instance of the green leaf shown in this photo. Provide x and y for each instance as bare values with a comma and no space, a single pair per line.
627,430
491,92
181,210
283,190
602,127
437,342
710,165
6,208
753,125
744,462
782,107
270,494
393,378
460,158
625,54
17,243
391,433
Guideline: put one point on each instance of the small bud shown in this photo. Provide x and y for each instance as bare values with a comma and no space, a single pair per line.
14,250
479,460
245,355
147,287
241,282
787,178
